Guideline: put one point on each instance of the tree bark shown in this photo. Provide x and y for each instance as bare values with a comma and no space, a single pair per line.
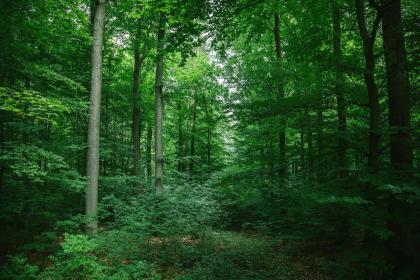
149,151
368,40
192,150
339,91
180,138
320,147
159,106
92,170
398,86
302,148
310,143
280,87
209,119
400,248
135,129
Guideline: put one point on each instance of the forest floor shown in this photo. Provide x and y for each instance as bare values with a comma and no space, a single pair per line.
233,255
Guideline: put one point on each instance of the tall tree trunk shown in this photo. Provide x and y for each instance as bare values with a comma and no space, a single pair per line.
149,151
180,138
310,143
209,120
280,87
339,91
135,129
398,86
302,148
2,140
401,253
159,106
106,121
92,169
374,109
192,151
320,146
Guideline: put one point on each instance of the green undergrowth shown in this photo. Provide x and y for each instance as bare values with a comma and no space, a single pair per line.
118,255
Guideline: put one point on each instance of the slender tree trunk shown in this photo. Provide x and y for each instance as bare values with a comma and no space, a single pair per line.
192,151
320,146
135,129
339,91
310,143
149,151
208,118
92,170
374,109
159,106
398,86
180,138
107,93
280,87
302,148
2,140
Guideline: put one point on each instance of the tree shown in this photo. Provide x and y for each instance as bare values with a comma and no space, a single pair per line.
136,107
92,171
401,150
339,90
159,104
282,133
368,39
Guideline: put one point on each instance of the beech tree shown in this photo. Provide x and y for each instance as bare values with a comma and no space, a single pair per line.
92,171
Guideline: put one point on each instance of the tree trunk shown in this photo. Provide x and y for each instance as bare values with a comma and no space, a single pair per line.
135,129
192,151
320,147
302,148
280,87
159,106
339,91
180,138
92,169
398,86
149,151
209,120
401,253
374,109
310,143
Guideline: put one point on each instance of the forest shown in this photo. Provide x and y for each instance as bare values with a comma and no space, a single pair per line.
210,139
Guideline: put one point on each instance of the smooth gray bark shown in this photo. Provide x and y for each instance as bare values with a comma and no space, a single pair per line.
92,169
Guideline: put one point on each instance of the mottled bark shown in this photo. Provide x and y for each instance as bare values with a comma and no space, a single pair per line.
92,169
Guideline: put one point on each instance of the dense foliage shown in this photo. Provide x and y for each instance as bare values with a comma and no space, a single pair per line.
290,139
